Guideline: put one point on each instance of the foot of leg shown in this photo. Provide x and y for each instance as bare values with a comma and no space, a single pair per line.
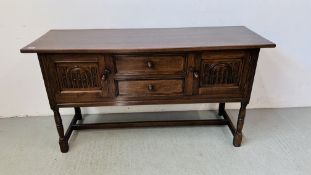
237,138
64,146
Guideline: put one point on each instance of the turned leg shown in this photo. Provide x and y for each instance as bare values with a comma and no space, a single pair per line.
221,109
238,133
63,143
78,113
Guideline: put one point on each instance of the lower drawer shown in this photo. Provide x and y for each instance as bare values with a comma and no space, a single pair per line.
150,87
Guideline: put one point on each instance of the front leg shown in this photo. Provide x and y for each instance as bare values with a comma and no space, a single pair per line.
63,142
237,139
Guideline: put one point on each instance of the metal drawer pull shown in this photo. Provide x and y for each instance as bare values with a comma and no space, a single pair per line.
150,87
150,64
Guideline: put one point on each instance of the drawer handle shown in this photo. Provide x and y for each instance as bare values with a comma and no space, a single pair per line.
150,64
106,74
150,87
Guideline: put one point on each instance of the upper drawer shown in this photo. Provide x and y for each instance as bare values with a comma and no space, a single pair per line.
140,64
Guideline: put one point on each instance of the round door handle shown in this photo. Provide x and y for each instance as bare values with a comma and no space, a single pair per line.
104,77
196,74
150,64
105,74
107,71
150,87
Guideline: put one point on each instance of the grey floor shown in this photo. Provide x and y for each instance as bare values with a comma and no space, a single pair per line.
276,141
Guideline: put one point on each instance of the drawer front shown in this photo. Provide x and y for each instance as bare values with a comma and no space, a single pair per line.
150,87
136,65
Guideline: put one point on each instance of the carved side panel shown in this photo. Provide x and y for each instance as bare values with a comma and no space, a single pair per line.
220,72
78,75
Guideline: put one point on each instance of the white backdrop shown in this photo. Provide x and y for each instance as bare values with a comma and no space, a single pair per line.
283,76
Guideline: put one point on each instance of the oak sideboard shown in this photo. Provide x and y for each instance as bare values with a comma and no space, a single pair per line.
106,67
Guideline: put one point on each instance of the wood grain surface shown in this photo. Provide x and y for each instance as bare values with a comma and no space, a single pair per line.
146,40
148,66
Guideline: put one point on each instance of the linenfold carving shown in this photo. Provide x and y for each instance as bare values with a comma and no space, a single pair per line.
78,76
214,73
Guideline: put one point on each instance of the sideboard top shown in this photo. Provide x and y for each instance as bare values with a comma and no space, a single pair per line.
146,40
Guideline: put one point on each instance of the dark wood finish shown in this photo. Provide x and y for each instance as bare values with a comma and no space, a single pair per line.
84,68
230,124
147,40
70,127
63,143
223,72
162,64
238,132
78,114
150,88
149,124
221,109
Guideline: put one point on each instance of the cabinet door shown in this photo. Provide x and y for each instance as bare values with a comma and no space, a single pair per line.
221,73
79,77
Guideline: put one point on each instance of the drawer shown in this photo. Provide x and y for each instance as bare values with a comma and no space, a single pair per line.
137,65
150,87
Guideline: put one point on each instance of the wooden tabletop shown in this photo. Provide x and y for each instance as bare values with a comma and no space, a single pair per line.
146,40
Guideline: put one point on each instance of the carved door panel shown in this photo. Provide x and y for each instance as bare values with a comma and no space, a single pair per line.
221,73
81,78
